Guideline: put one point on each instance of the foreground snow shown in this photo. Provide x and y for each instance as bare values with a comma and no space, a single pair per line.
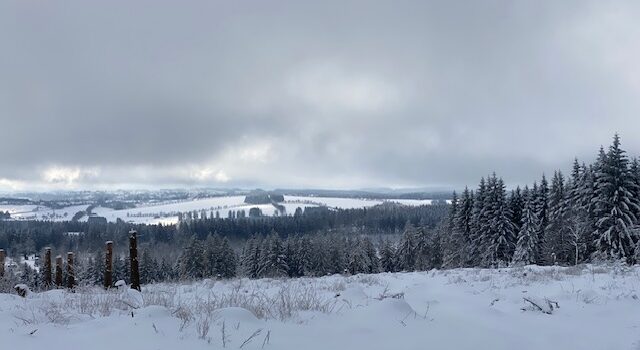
599,308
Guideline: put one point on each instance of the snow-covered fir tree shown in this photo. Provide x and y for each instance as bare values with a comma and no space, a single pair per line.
273,261
616,205
192,262
407,249
500,238
250,260
387,257
556,240
527,246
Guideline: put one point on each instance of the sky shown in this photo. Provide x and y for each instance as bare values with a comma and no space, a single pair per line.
310,94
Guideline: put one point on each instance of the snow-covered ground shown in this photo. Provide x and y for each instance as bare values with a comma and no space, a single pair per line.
590,307
166,213
39,212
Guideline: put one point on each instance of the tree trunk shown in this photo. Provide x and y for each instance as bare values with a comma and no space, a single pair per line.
58,271
133,256
2,256
71,276
47,268
108,269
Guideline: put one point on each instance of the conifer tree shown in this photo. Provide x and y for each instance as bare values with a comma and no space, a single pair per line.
337,255
373,262
407,249
387,257
499,238
192,262
226,264
616,205
358,260
273,259
457,250
302,249
212,252
541,205
478,225
556,242
516,206
251,257
527,246
422,248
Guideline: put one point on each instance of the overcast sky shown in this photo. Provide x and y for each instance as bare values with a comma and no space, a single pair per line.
325,94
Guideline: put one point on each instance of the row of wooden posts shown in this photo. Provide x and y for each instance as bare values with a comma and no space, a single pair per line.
70,280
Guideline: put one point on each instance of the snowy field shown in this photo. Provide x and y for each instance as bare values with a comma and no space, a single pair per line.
585,307
39,212
166,213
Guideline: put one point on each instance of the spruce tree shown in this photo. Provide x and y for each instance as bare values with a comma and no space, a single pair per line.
478,225
541,207
407,249
302,249
251,258
527,246
357,258
616,205
423,259
212,252
463,224
578,220
387,257
556,242
273,259
454,242
227,262
516,206
192,262
499,238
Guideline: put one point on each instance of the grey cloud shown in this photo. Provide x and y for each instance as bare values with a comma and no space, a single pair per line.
322,94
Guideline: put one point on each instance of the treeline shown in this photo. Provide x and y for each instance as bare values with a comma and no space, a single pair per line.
387,218
273,256
591,215
27,237
382,194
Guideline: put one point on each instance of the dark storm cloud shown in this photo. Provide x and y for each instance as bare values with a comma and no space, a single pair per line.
323,94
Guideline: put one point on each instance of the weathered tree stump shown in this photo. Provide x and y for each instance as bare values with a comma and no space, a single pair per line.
108,268
71,275
47,268
2,257
133,256
58,271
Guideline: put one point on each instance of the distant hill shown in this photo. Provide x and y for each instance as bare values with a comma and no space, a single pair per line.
439,194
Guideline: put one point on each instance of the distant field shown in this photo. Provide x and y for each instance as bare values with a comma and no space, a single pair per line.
167,212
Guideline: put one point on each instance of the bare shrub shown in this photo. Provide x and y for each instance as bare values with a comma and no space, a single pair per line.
202,326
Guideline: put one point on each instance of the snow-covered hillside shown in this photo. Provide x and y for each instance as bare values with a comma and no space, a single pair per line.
166,213
585,307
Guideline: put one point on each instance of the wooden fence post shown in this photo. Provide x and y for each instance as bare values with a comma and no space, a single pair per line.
47,267
58,271
2,256
108,269
133,256
71,280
